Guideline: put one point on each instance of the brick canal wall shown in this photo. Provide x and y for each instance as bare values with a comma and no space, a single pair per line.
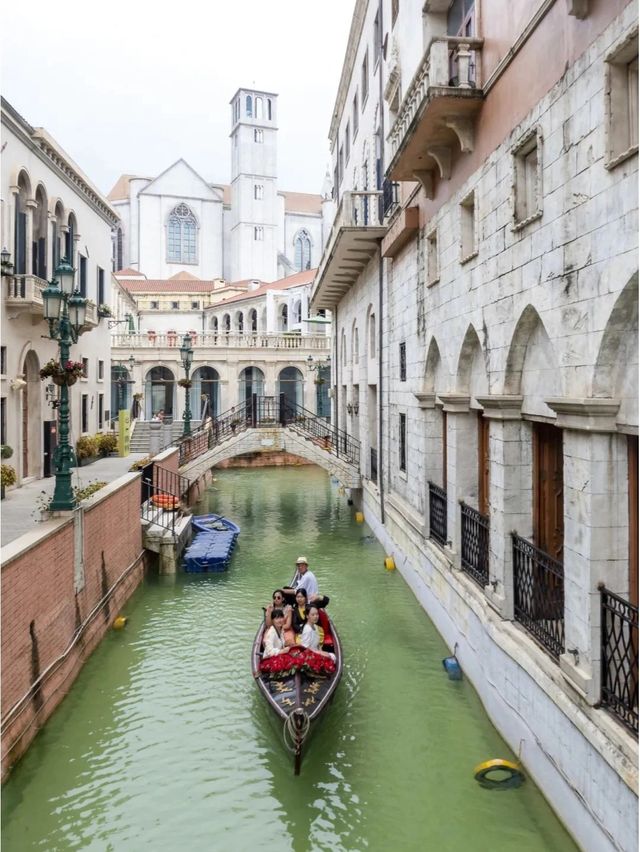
62,585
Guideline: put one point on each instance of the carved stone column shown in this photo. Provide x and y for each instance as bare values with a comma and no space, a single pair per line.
510,500
595,530
462,463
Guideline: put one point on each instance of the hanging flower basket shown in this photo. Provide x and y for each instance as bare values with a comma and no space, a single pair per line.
185,383
318,381
62,374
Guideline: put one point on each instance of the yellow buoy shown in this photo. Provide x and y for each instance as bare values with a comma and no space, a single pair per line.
389,564
120,622
359,518
498,773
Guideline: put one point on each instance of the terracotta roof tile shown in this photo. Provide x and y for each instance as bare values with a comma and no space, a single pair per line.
125,273
173,286
302,202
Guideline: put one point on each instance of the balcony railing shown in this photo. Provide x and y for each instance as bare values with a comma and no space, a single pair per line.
222,340
373,465
25,291
539,594
619,657
474,554
437,513
357,228
450,72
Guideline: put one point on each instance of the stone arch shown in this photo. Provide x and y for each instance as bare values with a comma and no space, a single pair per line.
31,398
252,320
41,231
532,368
159,392
370,340
205,392
355,343
226,323
238,322
471,374
213,324
616,369
291,384
283,317
432,380
250,381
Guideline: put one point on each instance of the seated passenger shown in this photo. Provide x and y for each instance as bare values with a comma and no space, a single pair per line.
277,602
312,635
299,612
274,639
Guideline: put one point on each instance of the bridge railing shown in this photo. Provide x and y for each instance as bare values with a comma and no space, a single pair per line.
312,426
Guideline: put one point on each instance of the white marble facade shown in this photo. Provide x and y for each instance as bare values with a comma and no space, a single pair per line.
249,228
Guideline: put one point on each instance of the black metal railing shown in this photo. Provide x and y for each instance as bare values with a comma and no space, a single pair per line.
157,506
437,513
373,465
474,551
538,581
170,481
317,429
619,657
389,199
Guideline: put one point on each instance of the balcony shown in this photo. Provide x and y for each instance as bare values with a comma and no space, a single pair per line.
437,113
24,295
437,514
354,239
619,657
91,317
474,555
220,340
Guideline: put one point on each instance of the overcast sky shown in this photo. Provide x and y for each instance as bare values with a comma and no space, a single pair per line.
129,86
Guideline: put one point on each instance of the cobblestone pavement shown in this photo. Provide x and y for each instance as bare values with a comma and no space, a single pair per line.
19,511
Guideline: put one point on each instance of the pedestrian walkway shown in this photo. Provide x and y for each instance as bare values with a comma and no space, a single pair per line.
20,509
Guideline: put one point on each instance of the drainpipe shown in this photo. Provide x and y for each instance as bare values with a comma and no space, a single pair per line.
380,280
336,385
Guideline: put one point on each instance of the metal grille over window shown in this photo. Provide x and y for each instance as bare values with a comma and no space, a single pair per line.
437,513
403,362
619,631
539,594
403,442
474,555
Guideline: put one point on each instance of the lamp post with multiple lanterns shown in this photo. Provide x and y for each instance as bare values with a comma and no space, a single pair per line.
186,354
65,311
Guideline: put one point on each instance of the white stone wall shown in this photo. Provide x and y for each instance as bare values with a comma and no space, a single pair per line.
24,330
540,324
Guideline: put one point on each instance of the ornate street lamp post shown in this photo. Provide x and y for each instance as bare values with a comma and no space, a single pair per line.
186,353
65,311
122,379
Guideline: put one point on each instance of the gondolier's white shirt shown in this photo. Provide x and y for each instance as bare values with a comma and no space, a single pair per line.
273,643
307,582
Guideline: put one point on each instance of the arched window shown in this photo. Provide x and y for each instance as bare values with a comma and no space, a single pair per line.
117,250
283,318
226,323
302,246
259,108
182,236
269,108
249,104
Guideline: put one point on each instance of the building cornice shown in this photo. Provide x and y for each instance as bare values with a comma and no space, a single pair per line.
43,145
357,22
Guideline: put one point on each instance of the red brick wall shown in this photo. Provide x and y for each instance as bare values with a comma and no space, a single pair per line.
38,587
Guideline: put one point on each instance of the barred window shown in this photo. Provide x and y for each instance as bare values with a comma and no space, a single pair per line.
403,362
402,442
302,246
182,232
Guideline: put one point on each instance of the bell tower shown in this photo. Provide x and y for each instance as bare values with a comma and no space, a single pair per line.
254,200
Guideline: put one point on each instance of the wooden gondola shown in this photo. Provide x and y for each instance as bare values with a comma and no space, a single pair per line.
298,700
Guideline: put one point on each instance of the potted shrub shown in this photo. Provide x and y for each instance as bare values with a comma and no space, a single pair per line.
7,477
86,450
6,451
151,333
104,311
107,443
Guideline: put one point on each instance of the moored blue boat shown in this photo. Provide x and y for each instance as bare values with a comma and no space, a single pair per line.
213,544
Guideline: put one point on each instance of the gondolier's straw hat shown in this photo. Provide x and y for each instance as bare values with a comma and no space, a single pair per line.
302,560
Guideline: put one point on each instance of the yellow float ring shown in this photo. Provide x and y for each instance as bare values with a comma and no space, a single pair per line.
359,518
513,778
389,564
120,622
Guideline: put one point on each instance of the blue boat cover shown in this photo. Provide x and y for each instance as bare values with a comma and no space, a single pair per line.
213,545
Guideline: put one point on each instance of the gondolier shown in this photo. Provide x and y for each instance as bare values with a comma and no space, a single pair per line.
305,579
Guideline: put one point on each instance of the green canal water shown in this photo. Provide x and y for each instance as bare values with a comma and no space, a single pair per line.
165,744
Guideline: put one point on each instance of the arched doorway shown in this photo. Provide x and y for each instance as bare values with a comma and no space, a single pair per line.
290,383
159,392
251,381
31,416
205,391
322,383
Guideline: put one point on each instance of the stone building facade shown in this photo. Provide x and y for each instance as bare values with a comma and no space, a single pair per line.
50,209
246,229
485,303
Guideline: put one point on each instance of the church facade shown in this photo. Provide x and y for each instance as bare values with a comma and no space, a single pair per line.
248,228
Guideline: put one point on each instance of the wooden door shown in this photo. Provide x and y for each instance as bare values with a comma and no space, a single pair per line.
483,464
548,498
632,468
